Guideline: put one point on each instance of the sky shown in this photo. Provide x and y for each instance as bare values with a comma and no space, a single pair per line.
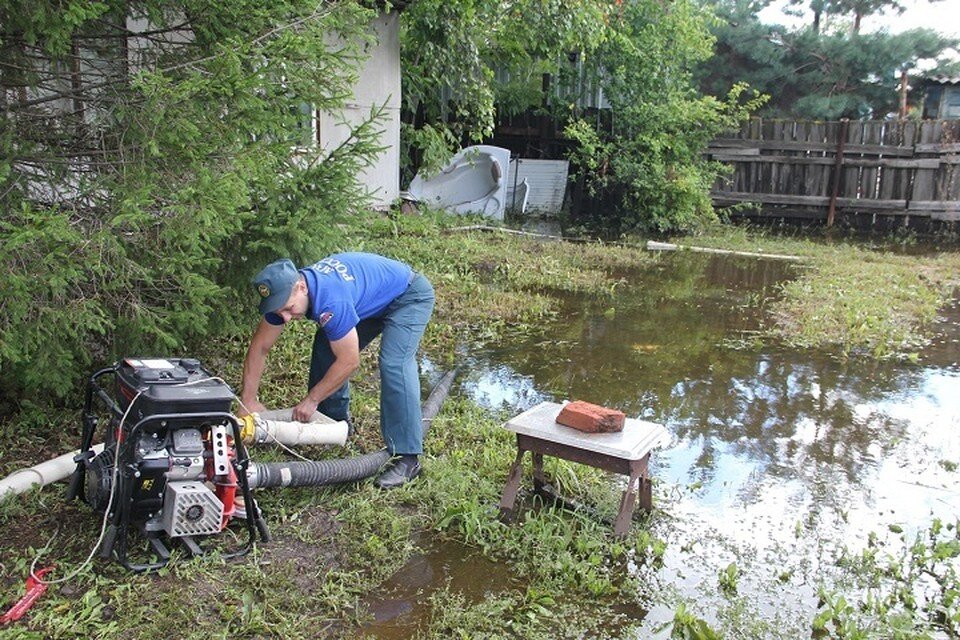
942,16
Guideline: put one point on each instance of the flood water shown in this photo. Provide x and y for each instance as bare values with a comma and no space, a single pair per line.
778,457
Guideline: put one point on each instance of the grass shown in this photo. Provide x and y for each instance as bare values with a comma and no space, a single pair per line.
851,299
333,546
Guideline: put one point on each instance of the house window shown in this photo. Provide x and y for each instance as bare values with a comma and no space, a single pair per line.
952,103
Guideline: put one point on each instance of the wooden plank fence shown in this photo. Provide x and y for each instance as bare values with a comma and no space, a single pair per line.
821,170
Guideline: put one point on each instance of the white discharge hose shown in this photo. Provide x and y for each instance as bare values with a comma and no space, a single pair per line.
278,426
42,474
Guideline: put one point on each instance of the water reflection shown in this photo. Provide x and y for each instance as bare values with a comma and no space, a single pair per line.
778,457
663,327
776,451
399,608
658,351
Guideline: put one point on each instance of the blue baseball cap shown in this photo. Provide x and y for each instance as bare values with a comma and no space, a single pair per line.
275,284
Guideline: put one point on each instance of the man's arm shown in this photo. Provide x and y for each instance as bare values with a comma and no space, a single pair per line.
346,353
253,365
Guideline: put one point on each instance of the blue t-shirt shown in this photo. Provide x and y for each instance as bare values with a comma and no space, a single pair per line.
346,288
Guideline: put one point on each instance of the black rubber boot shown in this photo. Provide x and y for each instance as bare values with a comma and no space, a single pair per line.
402,470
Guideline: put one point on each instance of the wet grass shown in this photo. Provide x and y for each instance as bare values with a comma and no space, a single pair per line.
850,298
333,546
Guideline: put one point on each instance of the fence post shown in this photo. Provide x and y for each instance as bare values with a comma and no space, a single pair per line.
837,171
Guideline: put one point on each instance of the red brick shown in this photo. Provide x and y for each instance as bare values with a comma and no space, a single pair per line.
591,418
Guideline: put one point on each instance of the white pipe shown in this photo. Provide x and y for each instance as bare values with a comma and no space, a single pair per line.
42,474
653,245
279,426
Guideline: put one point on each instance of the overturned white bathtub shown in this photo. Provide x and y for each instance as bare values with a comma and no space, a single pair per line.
474,181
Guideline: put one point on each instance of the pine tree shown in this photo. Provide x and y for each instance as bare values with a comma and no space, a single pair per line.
151,159
819,73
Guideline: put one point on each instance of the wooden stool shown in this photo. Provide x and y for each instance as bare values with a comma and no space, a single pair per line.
626,452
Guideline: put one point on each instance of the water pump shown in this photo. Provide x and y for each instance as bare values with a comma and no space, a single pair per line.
173,463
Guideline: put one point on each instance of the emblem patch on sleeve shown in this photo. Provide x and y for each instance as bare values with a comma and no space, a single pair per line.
324,318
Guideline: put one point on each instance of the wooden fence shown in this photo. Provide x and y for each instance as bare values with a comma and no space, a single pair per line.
828,170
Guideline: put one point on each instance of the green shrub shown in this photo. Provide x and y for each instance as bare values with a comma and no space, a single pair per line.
646,171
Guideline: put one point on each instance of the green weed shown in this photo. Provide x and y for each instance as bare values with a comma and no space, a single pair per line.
729,577
912,593
687,626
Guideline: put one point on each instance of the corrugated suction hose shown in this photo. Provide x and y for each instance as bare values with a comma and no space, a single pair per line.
316,473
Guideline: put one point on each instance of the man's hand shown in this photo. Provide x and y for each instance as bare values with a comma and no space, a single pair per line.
303,411
250,406
346,353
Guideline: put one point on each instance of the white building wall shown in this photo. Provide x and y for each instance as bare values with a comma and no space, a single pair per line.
378,84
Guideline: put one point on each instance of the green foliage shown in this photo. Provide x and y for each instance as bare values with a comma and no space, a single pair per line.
145,177
687,626
649,165
463,61
911,593
431,144
729,577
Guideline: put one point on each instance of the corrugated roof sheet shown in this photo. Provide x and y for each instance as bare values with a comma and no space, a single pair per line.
546,181
942,80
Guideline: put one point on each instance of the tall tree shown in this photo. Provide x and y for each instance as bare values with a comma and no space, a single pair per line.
819,74
856,9
647,171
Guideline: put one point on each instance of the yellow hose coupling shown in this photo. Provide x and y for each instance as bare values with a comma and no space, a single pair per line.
248,429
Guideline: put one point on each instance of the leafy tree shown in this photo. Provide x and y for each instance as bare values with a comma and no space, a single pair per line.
648,168
465,60
148,166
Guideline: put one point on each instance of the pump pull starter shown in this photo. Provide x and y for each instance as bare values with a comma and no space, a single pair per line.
34,589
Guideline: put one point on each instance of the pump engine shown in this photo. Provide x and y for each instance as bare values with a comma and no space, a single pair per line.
173,460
